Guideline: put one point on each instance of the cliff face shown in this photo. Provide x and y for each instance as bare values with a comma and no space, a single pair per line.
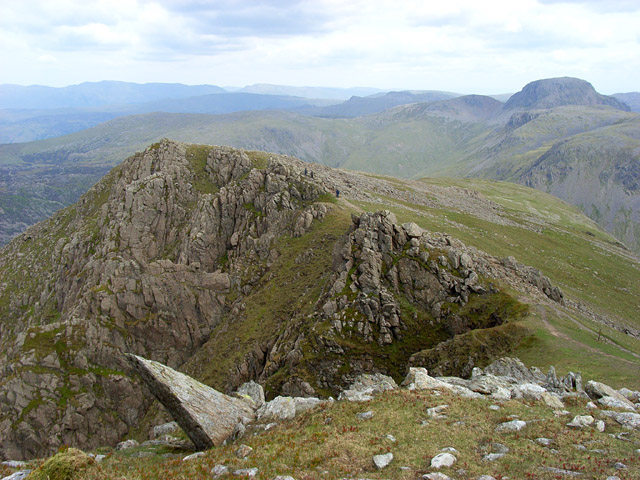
135,266
232,265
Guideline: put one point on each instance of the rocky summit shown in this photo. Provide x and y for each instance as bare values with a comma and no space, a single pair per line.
235,266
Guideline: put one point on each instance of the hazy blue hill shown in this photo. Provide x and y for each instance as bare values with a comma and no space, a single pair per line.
632,99
358,106
468,108
95,94
555,92
310,92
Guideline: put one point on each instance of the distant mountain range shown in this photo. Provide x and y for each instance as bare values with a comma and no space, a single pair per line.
558,135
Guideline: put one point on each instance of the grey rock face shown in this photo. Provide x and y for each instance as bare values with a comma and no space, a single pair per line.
207,416
367,385
280,408
253,391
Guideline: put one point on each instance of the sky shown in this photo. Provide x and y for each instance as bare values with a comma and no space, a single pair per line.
465,46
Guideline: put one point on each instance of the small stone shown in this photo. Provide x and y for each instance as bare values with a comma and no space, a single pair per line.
561,413
443,460
193,456
100,458
613,477
544,441
512,426
246,472
127,444
591,405
494,407
20,475
391,438
449,449
619,466
381,461
581,421
577,446
486,477
492,457
435,476
600,426
14,463
281,477
368,415
436,412
243,451
219,470
562,471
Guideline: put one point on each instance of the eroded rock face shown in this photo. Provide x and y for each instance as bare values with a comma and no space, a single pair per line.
166,249
143,263
207,416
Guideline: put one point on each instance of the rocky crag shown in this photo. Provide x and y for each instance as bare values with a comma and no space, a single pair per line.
236,266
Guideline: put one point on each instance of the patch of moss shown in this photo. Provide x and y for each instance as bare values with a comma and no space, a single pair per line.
65,465
259,160
197,156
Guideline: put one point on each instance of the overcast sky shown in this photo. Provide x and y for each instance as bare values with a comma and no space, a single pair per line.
466,46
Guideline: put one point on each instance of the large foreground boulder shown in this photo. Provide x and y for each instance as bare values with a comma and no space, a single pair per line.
207,416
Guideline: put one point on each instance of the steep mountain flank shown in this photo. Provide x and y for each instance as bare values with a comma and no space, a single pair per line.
556,92
234,265
632,99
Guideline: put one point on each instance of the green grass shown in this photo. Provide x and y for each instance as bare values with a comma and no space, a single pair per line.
332,443
290,292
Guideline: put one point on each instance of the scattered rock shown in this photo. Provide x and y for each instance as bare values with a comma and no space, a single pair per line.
443,460
597,390
366,386
20,475
435,476
611,402
381,461
581,421
486,477
562,471
619,466
246,472
600,426
544,441
303,404
193,456
125,445
419,379
436,412
391,438
219,470
368,415
513,368
492,457
512,426
164,429
253,392
14,463
280,408
626,419
494,407
243,451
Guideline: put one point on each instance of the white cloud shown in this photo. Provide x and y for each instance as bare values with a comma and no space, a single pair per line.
463,45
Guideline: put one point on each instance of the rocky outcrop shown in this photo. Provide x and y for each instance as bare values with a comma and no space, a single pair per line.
144,263
168,255
206,415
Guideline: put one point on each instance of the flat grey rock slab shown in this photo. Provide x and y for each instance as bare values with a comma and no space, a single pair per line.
207,416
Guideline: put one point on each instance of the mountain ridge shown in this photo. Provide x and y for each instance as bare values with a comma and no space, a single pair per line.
190,253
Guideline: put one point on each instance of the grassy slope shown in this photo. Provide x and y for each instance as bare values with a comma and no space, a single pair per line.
332,443
576,255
